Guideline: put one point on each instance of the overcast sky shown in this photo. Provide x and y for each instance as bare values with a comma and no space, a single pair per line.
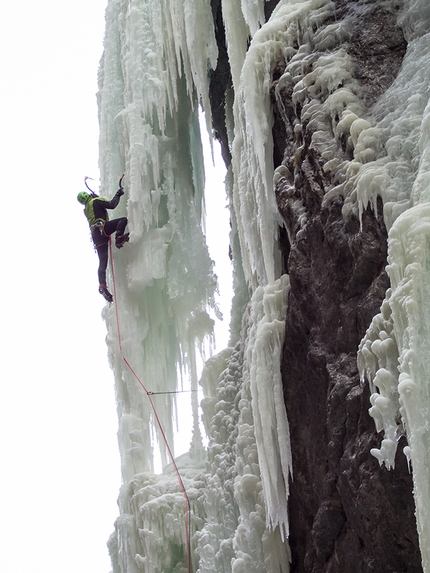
59,476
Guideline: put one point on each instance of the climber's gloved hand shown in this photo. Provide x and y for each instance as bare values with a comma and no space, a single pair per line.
119,193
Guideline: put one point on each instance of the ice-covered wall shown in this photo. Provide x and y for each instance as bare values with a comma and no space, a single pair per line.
150,82
153,74
156,68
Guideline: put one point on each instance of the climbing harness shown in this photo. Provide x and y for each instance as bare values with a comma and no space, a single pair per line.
99,225
160,427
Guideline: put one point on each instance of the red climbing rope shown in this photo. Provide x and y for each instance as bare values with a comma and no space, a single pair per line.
160,427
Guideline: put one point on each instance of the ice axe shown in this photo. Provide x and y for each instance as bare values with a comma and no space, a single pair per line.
86,184
120,182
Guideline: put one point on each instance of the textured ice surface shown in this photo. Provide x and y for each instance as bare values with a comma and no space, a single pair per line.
154,72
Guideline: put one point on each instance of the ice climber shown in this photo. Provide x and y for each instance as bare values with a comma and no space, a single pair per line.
101,230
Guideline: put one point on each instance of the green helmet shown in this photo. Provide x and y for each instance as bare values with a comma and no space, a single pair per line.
83,197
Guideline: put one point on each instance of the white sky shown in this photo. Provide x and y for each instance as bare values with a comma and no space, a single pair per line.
60,468
59,475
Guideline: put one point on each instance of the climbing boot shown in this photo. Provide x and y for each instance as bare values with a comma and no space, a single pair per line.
104,291
121,239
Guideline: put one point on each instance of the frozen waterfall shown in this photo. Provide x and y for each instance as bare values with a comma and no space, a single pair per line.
153,78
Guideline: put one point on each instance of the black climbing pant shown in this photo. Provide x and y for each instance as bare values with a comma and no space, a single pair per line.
101,242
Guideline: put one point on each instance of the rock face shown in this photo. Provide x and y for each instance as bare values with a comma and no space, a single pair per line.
346,512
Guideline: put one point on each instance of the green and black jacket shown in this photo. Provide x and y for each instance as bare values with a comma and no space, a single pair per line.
96,209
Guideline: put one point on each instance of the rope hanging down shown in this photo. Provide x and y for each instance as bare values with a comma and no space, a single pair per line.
160,427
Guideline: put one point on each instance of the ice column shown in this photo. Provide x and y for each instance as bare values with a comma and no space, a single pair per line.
263,461
249,458
263,366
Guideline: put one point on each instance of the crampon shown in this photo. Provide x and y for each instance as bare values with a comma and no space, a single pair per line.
119,241
104,292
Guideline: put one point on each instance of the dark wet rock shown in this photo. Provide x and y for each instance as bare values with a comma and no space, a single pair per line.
346,512
220,84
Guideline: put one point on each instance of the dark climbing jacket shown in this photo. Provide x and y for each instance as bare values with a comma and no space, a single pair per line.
96,209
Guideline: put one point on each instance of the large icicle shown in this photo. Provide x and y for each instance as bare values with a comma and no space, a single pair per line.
246,495
263,366
263,460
